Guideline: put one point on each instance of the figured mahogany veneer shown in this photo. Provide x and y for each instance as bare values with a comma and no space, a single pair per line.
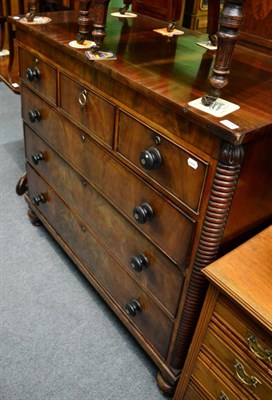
141,190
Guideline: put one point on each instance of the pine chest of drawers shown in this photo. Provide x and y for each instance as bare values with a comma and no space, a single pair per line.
139,189
231,353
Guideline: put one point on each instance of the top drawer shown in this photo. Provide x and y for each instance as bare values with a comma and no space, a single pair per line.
255,340
176,170
90,110
40,75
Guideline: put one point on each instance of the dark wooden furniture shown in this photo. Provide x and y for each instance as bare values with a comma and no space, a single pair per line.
140,189
231,353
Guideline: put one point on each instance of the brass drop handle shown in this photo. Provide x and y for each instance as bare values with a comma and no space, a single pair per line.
223,396
143,213
150,158
33,73
34,115
243,377
139,262
82,98
257,350
38,199
37,157
133,307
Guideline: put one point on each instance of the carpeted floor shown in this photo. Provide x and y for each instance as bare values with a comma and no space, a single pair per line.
58,339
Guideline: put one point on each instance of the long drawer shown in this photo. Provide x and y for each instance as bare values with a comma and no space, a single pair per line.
41,76
119,286
168,228
173,168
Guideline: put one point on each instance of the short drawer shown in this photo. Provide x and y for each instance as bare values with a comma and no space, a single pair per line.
172,167
248,375
256,341
211,383
170,229
113,280
41,76
88,109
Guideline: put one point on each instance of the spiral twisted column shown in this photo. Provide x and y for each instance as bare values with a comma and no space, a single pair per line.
223,188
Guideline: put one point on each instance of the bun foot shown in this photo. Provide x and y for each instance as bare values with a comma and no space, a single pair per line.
165,387
33,218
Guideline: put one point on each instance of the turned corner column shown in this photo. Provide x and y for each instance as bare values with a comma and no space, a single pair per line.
229,22
32,10
219,204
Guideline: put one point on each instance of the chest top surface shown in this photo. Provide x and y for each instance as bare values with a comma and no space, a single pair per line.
172,72
245,275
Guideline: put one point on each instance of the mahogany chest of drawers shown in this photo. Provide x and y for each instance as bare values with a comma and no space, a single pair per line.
231,353
140,189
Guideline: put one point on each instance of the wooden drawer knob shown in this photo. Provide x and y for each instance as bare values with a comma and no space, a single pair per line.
33,73
38,199
34,115
133,307
150,158
139,262
143,213
37,157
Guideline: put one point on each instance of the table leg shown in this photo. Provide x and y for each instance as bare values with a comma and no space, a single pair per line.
230,20
100,17
83,21
32,9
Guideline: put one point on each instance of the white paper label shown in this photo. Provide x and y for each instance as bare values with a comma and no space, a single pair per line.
192,163
229,124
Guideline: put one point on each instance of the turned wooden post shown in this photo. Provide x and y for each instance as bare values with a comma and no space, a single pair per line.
213,20
32,9
100,16
125,7
230,20
83,21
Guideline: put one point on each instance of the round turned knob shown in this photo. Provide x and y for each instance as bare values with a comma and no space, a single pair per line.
139,262
33,73
38,199
150,158
133,307
37,157
143,213
34,115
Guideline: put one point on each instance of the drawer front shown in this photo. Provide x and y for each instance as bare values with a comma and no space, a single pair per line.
170,229
141,258
118,285
41,76
88,109
255,341
181,173
208,380
247,375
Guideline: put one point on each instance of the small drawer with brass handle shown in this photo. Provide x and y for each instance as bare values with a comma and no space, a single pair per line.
244,377
257,350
